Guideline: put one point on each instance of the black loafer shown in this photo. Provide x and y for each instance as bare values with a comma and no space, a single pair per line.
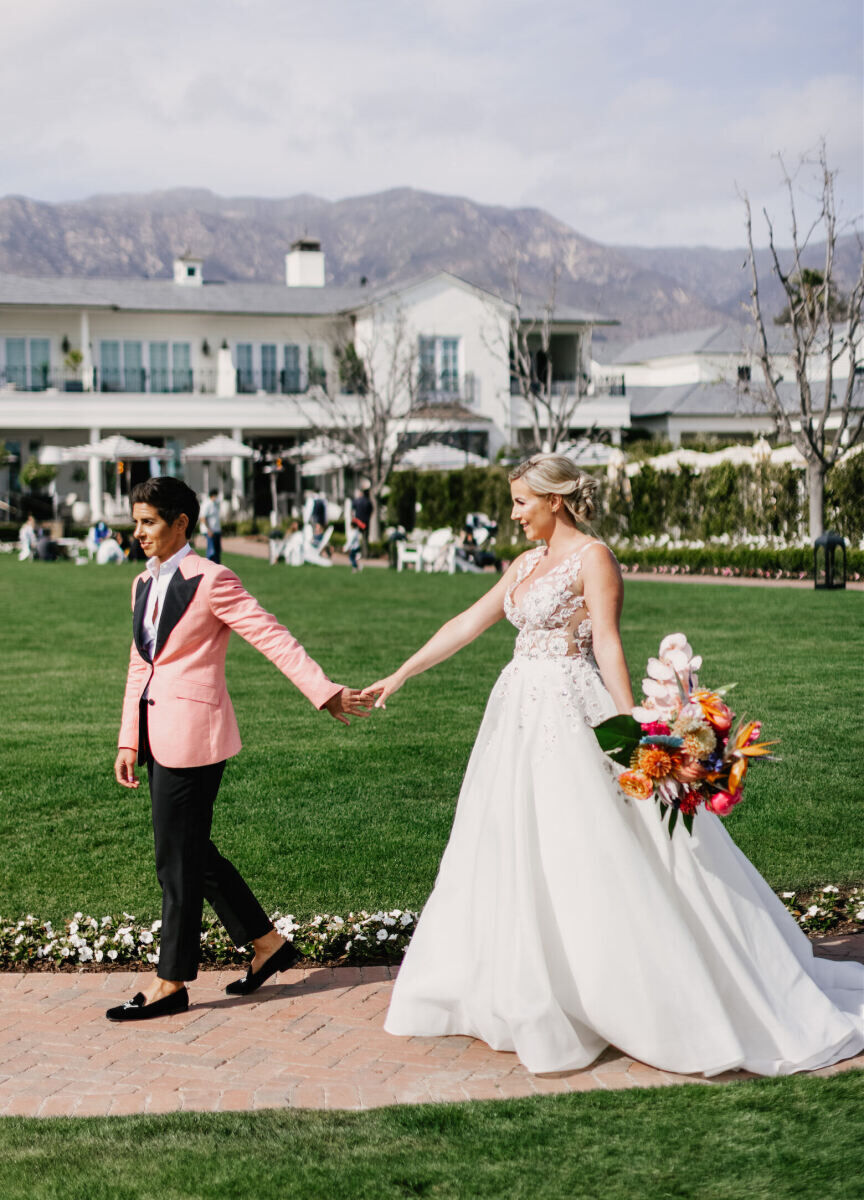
137,1008
281,960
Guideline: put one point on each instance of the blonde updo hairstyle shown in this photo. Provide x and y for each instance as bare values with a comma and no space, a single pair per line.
556,475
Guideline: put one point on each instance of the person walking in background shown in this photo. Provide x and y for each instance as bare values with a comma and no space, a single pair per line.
353,546
178,721
361,509
212,523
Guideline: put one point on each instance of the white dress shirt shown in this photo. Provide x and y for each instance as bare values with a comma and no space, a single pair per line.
161,573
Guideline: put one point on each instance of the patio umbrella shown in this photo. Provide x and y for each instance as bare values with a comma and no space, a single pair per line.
322,456
322,447
322,464
589,454
220,448
438,457
116,448
52,456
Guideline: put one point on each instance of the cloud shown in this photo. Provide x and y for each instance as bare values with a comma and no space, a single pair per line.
630,128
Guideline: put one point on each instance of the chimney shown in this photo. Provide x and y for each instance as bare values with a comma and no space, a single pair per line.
304,264
188,270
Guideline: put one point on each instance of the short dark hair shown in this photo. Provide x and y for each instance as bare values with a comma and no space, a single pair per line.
170,497
214,492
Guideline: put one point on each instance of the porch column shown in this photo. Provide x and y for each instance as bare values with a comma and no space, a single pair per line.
94,472
87,360
237,492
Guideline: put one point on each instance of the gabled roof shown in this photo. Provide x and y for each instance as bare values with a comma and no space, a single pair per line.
532,306
252,299
163,295
372,295
717,339
703,399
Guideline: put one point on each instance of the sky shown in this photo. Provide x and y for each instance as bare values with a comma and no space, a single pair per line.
635,123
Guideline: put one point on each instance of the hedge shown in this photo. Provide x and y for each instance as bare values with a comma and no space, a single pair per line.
738,501
790,562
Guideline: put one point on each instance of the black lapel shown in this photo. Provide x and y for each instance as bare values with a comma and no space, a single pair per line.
141,594
177,599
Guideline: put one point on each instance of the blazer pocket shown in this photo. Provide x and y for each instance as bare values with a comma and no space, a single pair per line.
198,691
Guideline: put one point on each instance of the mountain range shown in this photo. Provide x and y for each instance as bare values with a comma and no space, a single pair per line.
391,236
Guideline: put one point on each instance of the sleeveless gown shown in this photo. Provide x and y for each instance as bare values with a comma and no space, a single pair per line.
565,919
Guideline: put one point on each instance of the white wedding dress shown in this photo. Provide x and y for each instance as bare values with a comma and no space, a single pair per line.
564,918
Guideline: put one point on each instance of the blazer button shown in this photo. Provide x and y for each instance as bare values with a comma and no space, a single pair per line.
151,701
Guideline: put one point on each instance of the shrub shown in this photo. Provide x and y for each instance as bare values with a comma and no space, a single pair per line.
747,561
446,497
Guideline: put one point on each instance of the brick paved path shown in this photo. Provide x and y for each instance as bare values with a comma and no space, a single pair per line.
314,1039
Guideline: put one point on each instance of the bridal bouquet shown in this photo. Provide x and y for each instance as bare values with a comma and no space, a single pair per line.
682,746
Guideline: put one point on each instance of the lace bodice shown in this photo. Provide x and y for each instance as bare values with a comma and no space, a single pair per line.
551,615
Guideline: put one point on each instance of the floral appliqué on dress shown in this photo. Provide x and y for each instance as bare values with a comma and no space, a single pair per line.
554,625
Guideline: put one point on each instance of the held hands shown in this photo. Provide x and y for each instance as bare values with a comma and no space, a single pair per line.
349,700
124,767
382,690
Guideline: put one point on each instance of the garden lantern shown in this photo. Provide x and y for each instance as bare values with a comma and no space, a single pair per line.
825,572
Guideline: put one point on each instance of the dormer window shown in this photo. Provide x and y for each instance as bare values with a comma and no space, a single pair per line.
188,271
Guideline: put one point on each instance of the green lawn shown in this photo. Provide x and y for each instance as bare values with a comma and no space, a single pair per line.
323,818
789,1139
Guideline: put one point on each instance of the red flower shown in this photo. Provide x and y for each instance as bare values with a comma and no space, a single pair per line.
689,803
722,803
656,727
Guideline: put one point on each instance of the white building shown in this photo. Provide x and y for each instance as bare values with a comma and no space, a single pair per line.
173,361
706,381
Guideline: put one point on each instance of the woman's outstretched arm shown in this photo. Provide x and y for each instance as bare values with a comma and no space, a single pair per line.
604,596
452,636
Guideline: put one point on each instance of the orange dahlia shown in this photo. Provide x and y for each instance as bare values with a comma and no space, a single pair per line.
653,761
636,784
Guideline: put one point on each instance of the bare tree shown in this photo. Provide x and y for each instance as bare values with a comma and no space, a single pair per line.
824,332
550,403
367,412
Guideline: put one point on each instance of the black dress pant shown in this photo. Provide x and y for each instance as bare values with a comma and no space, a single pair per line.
190,869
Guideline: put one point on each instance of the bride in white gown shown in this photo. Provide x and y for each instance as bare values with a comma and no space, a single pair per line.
564,918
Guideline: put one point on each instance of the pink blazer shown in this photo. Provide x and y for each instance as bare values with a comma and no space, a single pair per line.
190,718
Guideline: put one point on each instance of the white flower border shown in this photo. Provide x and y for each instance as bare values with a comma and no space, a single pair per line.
84,940
359,937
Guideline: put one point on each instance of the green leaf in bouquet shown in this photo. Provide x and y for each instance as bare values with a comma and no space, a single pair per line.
673,817
688,822
618,737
